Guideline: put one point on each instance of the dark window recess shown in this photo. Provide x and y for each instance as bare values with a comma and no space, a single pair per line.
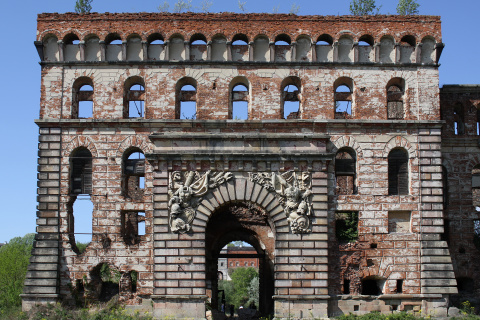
465,285
476,233
346,286
476,186
399,286
345,172
397,172
81,172
395,103
346,226
343,102
371,287
134,176
445,187
459,120
373,245
130,226
445,236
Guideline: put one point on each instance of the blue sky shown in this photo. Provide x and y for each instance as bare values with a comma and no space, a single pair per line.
20,76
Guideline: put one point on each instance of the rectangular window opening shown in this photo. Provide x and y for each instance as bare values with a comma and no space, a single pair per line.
399,222
239,110
346,286
346,226
141,182
400,286
188,110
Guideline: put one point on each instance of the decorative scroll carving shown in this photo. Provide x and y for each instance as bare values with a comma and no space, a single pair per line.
293,191
185,191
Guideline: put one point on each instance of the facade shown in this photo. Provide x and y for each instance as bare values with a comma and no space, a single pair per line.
318,140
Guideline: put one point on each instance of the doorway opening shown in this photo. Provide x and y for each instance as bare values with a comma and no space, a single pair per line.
240,245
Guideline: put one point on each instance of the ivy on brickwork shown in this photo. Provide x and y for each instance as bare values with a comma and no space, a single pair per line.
346,226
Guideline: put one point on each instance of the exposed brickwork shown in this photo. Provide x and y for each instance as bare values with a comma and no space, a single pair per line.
273,172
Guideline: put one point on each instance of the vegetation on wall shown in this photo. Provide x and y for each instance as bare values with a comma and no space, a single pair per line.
346,226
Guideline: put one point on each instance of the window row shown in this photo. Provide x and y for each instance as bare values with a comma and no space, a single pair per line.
240,48
346,172
239,98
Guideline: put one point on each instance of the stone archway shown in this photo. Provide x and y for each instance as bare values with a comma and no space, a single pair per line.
250,223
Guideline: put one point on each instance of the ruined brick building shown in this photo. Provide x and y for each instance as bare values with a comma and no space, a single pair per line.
324,142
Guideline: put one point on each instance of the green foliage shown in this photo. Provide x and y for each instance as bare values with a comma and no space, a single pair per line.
294,9
346,226
407,7
363,7
467,308
379,316
108,274
241,289
81,246
83,6
58,312
14,258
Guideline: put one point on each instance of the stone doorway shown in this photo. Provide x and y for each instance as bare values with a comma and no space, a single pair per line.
247,222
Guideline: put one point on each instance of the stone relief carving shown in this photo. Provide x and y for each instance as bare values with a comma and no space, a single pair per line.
293,190
185,191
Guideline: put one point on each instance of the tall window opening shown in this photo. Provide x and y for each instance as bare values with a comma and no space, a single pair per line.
71,47
186,99
398,172
459,119
343,98
476,233
81,172
239,48
79,217
346,226
345,171
478,122
395,92
134,175
82,98
476,186
239,98
282,48
291,96
134,98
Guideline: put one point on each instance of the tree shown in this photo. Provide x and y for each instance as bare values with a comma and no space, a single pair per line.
241,278
164,7
83,6
407,7
14,258
363,7
182,5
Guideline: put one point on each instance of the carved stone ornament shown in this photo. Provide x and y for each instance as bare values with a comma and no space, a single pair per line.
185,191
293,190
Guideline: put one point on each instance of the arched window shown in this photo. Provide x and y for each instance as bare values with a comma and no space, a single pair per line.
291,96
198,47
427,54
50,48
134,48
365,49
343,98
134,174
81,172
176,48
186,104
71,47
282,48
345,171
324,48
407,49
219,48
239,48
134,97
395,92
92,48
133,226
387,50
156,47
82,98
80,222
398,172
345,52
303,49
240,99
459,119
261,49
113,50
